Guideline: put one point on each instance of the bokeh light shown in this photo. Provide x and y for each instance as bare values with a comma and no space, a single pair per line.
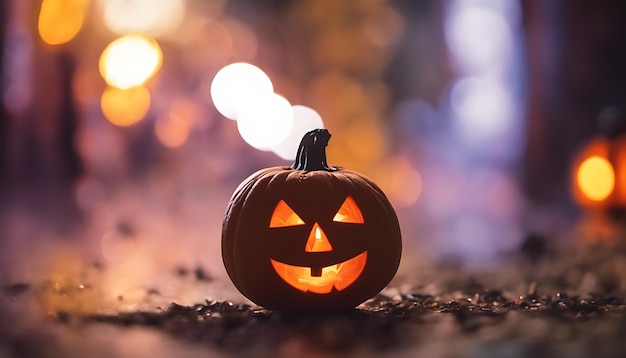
478,34
212,44
150,17
400,181
172,130
264,122
304,119
365,145
130,61
385,28
335,95
484,108
596,178
124,107
60,20
245,40
237,84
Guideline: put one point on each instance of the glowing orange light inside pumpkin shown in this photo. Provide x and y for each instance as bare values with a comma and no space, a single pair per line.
316,280
317,242
340,275
349,212
284,216
596,178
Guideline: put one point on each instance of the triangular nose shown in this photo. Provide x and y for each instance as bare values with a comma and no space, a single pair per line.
317,242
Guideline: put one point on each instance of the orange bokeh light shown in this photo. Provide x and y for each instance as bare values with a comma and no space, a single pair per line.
596,178
60,20
172,130
400,180
124,107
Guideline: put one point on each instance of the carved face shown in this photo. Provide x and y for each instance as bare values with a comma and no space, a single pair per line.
314,278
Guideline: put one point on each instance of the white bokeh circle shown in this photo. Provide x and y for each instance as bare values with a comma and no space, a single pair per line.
236,85
304,119
265,121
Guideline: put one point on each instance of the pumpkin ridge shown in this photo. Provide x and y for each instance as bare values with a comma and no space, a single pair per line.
392,220
231,223
259,182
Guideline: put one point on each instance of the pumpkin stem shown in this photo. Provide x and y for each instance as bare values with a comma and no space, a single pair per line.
312,152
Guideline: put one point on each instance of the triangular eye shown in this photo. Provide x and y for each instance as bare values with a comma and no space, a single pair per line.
284,216
349,212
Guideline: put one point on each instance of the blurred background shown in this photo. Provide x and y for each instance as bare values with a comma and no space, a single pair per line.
490,125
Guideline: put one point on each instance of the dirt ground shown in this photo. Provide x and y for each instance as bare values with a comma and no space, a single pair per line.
541,304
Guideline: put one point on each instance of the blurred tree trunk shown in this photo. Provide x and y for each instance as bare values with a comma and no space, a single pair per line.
576,55
39,162
39,136
3,113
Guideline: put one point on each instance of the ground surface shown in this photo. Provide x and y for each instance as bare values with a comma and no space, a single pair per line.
566,303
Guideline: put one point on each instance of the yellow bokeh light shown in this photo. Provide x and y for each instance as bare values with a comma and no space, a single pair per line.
60,20
596,178
124,107
130,61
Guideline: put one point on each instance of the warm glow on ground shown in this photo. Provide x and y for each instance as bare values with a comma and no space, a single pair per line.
124,107
596,178
60,20
130,61
340,275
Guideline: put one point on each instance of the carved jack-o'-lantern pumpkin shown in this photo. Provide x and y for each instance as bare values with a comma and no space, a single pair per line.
310,237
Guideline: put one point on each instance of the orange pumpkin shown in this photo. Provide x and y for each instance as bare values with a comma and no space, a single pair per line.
310,237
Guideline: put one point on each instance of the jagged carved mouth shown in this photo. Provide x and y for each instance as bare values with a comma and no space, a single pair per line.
339,275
